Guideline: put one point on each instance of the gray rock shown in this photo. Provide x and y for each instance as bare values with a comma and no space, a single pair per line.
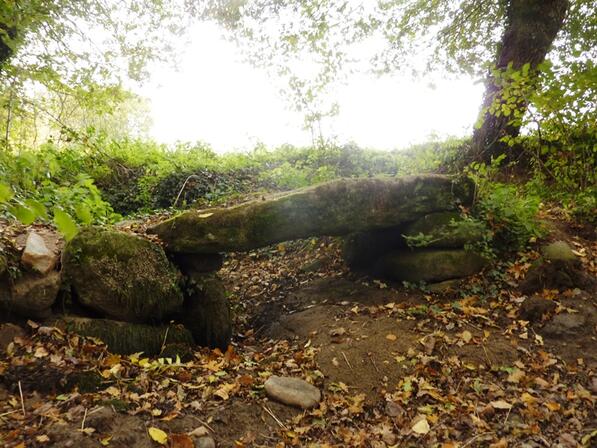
446,230
122,276
292,391
205,442
334,208
430,265
7,333
534,308
32,296
559,250
37,256
565,324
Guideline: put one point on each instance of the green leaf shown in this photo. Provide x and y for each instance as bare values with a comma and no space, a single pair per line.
23,213
65,223
38,208
6,193
83,213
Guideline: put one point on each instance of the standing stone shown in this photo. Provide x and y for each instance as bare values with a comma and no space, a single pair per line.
126,338
292,391
206,312
430,265
37,256
122,276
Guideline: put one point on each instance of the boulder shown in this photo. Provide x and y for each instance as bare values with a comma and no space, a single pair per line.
558,250
335,208
206,312
430,265
121,276
32,295
125,337
292,391
37,256
446,230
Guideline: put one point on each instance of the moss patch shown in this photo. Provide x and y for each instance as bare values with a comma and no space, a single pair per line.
121,276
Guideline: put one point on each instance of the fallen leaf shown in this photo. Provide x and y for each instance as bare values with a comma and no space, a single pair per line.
43,438
515,376
391,337
421,427
500,404
181,441
199,432
158,435
466,336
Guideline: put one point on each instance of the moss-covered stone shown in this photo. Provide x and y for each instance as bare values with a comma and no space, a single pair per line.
193,265
124,337
335,208
206,313
121,276
429,265
446,230
3,265
183,351
558,251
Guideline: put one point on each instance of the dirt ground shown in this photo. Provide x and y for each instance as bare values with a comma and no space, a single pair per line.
397,367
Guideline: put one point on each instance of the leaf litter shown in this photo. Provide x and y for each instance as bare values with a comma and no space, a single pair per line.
397,367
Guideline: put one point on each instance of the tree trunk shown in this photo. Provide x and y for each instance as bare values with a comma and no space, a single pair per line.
531,27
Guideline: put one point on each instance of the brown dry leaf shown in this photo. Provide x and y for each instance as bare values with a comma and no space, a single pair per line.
181,441
43,438
553,406
502,443
516,376
391,337
199,432
500,404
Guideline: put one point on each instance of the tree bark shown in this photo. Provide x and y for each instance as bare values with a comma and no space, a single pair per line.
531,27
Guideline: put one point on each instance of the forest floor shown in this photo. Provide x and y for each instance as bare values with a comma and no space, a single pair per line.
397,367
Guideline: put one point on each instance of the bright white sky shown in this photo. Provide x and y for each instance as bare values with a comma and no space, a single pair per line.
216,98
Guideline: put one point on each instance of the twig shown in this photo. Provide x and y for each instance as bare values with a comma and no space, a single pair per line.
165,338
490,364
84,418
471,440
22,401
8,413
282,425
346,359
373,362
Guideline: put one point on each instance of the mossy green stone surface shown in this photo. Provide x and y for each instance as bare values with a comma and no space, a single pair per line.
335,208
206,313
121,276
126,338
438,230
428,265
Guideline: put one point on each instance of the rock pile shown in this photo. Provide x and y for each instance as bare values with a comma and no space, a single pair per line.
120,288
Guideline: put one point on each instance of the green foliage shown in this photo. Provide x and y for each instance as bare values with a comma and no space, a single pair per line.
509,212
51,184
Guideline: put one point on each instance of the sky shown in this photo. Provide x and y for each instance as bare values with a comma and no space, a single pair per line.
215,97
